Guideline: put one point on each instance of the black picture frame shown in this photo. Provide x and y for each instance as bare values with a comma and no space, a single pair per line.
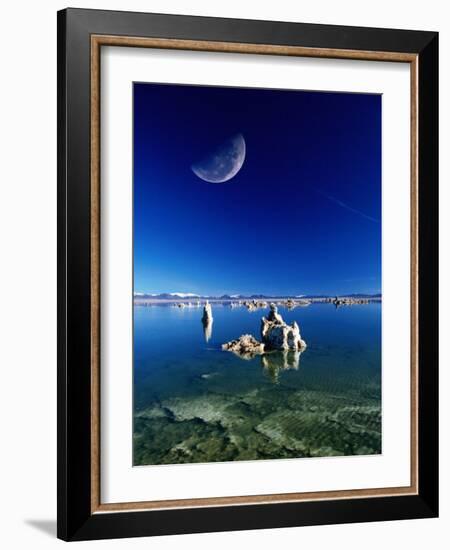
75,518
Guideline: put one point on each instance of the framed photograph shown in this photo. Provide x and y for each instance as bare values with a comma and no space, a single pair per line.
247,254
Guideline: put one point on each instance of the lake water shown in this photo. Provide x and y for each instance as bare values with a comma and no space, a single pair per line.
194,402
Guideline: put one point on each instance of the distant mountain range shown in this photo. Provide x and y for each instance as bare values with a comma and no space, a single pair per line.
167,295
187,295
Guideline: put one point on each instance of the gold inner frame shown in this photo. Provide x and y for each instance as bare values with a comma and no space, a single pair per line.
97,41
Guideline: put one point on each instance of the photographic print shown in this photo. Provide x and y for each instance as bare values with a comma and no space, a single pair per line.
247,263
257,274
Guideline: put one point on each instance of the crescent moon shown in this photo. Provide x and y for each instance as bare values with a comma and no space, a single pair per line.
223,163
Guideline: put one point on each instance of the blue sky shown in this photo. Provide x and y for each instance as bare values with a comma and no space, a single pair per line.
302,216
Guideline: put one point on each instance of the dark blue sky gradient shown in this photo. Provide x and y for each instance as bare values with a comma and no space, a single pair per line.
303,216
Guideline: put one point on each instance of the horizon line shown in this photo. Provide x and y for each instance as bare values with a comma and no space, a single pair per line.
270,295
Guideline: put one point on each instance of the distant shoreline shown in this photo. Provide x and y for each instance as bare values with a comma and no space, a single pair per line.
350,298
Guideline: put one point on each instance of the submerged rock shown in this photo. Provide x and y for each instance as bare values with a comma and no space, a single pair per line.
278,335
247,346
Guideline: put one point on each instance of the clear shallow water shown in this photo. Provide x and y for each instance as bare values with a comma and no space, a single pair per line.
194,402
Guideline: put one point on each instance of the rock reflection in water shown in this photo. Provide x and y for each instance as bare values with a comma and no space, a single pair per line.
207,329
207,321
275,362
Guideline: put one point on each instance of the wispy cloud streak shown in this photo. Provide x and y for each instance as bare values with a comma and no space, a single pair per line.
347,207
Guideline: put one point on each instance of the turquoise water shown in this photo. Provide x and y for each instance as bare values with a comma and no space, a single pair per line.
194,402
